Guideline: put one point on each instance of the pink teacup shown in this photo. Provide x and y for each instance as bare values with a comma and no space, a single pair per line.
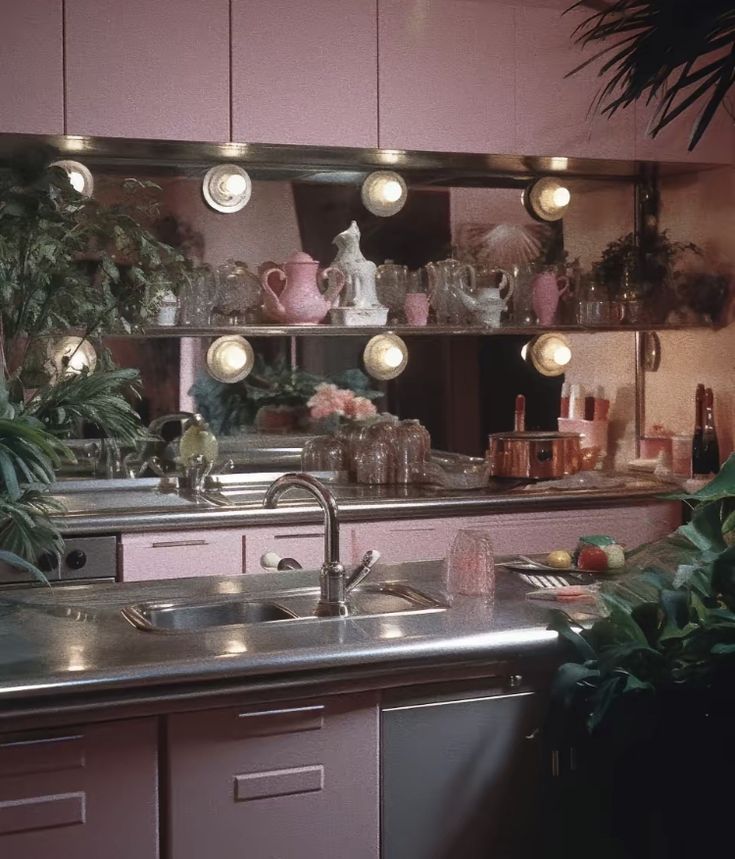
416,307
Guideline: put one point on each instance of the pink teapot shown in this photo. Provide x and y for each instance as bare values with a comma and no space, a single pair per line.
300,302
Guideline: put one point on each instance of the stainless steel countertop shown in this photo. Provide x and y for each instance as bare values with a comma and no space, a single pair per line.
126,505
72,643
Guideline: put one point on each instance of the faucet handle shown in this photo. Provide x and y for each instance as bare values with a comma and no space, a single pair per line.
362,571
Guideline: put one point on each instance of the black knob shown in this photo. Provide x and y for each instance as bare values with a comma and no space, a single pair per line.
48,562
545,454
76,560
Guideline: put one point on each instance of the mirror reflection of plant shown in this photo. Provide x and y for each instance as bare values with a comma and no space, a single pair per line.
228,408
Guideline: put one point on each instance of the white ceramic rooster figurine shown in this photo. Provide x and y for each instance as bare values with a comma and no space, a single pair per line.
360,303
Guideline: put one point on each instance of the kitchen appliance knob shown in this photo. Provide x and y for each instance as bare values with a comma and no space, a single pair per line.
545,454
76,560
48,562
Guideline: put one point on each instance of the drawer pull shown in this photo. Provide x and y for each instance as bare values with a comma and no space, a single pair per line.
266,785
42,812
284,721
171,544
319,535
49,754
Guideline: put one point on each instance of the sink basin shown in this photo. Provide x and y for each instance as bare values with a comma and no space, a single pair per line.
297,604
188,616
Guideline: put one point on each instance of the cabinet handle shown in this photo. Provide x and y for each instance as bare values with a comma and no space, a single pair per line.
42,812
266,785
170,544
297,536
283,721
46,754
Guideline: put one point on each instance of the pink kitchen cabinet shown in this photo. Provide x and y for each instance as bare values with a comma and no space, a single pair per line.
180,554
31,67
82,792
148,69
305,73
447,75
553,115
303,543
287,780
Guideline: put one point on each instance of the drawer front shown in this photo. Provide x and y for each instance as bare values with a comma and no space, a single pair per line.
283,780
178,554
75,793
403,541
303,543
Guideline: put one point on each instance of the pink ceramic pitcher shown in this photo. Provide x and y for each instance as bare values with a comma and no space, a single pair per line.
546,289
301,302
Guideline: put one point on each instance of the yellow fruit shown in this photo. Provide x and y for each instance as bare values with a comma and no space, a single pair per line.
560,559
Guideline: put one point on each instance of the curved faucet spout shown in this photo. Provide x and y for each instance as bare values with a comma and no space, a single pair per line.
324,498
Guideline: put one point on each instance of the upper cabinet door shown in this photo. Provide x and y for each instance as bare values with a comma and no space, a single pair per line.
447,70
305,73
553,115
715,146
148,69
31,67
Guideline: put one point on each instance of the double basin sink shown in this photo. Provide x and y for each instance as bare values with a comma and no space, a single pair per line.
189,615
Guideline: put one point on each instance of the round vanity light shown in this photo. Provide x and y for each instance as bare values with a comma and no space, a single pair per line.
80,177
384,193
385,356
547,199
71,356
230,358
227,188
549,353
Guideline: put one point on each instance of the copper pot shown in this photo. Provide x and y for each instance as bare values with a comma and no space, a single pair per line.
534,455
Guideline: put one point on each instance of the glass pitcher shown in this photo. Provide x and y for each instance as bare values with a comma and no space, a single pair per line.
447,278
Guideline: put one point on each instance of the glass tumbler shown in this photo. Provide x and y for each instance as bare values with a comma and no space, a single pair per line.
374,462
324,453
470,565
410,449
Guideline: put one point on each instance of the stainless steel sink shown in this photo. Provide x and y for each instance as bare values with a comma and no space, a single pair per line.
188,616
183,615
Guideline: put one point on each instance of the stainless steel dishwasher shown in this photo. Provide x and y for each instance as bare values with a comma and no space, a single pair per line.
462,776
84,559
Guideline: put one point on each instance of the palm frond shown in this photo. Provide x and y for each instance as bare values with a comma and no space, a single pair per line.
674,52
28,454
97,398
26,529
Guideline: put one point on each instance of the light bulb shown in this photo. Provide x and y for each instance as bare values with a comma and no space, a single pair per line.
561,197
78,361
524,352
391,191
234,184
392,357
76,180
233,357
562,355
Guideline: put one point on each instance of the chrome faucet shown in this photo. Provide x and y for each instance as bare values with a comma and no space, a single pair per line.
334,582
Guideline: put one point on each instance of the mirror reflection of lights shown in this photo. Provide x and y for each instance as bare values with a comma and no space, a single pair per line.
227,188
80,177
234,646
547,199
230,358
391,156
559,162
550,353
384,193
77,660
385,356
71,356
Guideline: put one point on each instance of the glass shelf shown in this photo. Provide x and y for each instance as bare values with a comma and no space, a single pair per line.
369,331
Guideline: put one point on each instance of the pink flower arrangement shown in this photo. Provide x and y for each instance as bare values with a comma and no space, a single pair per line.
330,400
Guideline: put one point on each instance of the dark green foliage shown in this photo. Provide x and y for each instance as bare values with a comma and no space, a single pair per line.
678,53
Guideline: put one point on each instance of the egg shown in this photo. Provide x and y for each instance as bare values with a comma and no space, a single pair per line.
560,559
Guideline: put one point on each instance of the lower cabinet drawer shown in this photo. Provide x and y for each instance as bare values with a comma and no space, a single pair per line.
292,780
178,554
82,792
303,543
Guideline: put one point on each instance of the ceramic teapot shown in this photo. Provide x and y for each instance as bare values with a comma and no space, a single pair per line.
488,304
300,302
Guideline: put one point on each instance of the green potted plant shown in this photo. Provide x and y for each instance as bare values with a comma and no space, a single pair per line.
66,262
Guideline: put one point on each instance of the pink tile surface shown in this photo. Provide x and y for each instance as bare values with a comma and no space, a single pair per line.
148,68
304,73
552,111
447,75
31,67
